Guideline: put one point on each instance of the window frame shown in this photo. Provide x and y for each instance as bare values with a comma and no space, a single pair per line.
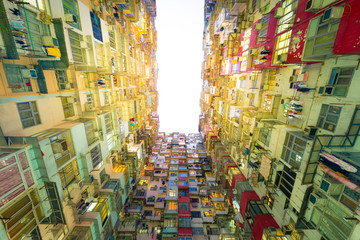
288,149
74,11
78,53
324,115
68,107
313,36
335,76
34,111
16,74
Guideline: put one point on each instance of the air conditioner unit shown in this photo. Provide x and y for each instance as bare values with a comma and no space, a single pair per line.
313,5
333,13
69,85
317,199
85,45
89,107
59,146
71,100
279,12
28,73
70,18
258,26
49,41
331,186
293,78
310,130
253,51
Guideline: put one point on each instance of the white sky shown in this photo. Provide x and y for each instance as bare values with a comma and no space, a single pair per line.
179,25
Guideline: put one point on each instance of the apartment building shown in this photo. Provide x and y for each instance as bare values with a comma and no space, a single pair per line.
280,115
78,104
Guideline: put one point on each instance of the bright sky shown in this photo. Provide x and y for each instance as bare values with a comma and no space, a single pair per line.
179,25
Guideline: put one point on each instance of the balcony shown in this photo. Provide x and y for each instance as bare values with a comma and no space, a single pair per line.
171,207
221,208
208,216
160,203
127,226
217,196
134,208
140,194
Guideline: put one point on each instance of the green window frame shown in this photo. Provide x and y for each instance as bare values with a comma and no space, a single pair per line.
78,53
29,114
321,37
293,149
68,107
286,21
261,36
329,117
339,82
72,7
265,135
16,81
38,29
62,80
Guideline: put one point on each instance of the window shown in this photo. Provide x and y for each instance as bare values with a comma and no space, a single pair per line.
172,193
102,176
170,222
29,114
112,37
96,26
68,174
67,106
198,231
265,135
339,82
285,181
62,80
184,222
328,118
281,47
320,38
90,100
287,20
71,7
196,214
171,206
100,54
262,33
16,81
108,123
96,157
15,175
293,149
36,3
78,53
184,206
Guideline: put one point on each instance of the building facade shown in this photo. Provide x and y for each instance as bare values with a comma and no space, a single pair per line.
280,109
78,105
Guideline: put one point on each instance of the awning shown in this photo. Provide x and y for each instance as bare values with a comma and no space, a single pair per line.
262,222
247,196
185,232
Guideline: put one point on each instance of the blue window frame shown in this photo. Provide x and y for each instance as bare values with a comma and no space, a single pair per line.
71,7
96,26
29,114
